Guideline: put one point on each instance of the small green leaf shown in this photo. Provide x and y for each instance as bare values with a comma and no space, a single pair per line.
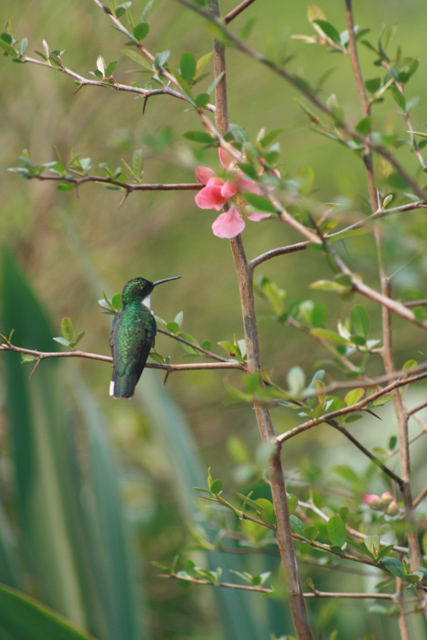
296,525
394,565
137,162
373,85
364,126
188,66
141,30
202,100
22,46
353,396
260,202
199,136
160,59
68,329
292,502
201,63
319,315
216,487
329,30
329,336
360,321
336,531
295,380
62,341
372,543
398,97
311,532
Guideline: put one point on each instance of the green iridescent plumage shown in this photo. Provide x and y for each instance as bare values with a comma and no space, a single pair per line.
132,336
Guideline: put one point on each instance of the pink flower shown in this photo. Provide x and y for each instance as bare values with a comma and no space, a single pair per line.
217,192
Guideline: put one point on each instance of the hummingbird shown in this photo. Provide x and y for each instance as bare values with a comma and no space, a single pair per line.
132,336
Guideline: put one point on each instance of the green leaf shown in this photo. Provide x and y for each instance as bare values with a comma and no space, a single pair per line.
347,473
160,59
22,46
292,502
188,66
319,315
239,134
199,136
138,58
141,30
137,162
216,487
314,12
394,565
110,68
336,531
296,525
364,126
354,396
329,30
24,618
360,321
311,532
202,100
68,329
201,64
8,48
295,380
398,97
372,543
260,202
62,341
329,336
373,85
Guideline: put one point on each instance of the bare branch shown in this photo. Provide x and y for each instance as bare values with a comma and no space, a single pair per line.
45,355
238,10
313,594
301,246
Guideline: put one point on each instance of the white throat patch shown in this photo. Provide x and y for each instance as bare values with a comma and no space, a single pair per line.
147,302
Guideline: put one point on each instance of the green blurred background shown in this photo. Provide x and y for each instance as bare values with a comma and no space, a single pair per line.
70,247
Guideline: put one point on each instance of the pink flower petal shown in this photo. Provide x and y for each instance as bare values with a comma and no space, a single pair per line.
229,224
229,189
210,196
226,159
250,187
203,174
256,217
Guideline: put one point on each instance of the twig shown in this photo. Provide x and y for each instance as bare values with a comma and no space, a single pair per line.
311,594
210,354
45,355
301,246
126,186
237,11
420,497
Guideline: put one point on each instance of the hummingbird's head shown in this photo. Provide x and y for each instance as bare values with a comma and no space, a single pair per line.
139,288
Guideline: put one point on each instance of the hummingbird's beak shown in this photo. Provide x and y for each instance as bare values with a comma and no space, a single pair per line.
165,280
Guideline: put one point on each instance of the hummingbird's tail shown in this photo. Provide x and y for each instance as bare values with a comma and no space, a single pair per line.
123,386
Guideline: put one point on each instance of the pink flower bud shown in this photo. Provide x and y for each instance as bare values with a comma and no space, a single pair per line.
393,509
372,500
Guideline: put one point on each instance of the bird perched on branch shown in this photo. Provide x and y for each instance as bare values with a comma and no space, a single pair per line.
132,336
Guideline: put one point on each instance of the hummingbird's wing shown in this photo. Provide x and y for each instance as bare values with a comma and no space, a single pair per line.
130,344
